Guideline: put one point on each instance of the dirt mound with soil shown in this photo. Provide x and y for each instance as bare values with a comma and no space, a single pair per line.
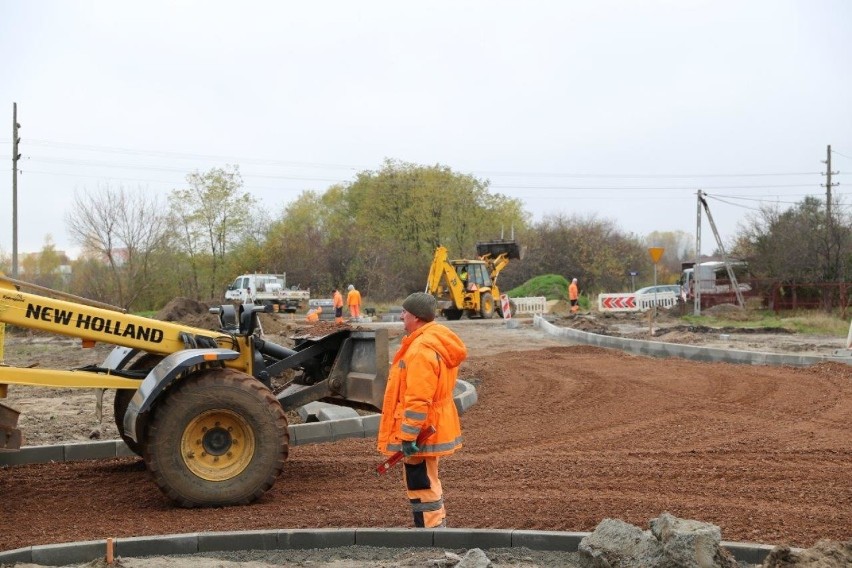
189,312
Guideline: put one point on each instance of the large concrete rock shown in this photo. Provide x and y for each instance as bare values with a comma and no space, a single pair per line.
691,544
617,544
671,543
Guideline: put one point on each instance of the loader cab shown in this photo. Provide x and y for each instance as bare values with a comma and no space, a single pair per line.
477,274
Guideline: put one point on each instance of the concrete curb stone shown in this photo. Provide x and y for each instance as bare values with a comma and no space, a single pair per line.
691,352
283,539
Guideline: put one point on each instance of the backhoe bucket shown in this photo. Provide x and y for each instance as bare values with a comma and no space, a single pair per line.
357,376
495,248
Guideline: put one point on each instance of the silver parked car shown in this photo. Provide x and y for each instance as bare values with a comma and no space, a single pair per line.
659,289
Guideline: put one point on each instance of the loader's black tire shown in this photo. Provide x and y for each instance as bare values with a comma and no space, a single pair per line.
123,398
452,314
218,438
486,306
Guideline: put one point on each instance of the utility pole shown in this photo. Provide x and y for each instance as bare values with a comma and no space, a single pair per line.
696,288
15,157
732,278
828,185
829,223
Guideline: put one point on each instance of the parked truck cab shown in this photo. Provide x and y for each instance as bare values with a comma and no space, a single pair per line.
268,290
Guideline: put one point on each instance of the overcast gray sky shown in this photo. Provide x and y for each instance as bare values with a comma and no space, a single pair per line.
619,109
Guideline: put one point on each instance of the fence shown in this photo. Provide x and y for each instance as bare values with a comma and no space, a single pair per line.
633,303
536,305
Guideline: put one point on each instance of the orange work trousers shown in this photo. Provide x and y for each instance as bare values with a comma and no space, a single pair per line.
424,491
355,311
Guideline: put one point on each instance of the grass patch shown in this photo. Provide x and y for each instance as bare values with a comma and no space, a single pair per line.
551,286
812,323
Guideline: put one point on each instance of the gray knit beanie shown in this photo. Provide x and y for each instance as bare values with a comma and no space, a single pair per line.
421,305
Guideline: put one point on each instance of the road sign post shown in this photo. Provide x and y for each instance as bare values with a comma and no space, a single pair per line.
656,254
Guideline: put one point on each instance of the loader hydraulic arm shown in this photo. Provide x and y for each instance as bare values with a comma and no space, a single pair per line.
442,270
496,265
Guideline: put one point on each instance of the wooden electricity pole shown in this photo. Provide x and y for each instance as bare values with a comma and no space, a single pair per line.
695,287
15,157
828,184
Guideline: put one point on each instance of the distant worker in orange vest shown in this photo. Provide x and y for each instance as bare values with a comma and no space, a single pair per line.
353,300
338,306
574,296
419,393
313,314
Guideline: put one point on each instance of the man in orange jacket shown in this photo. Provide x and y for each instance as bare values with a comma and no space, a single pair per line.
574,296
337,299
419,393
353,300
313,315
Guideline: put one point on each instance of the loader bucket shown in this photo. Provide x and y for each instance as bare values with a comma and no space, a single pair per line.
495,248
357,377
10,436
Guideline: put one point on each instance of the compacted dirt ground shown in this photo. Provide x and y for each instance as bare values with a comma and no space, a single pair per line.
562,437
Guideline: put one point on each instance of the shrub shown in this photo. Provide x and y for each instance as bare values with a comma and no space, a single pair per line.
551,286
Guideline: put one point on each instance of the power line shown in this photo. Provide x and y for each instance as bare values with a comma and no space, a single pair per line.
762,200
732,204
647,187
264,161
163,168
187,156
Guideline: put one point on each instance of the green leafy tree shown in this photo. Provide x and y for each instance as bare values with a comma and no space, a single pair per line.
45,267
212,214
587,248
797,245
402,212
380,232
296,244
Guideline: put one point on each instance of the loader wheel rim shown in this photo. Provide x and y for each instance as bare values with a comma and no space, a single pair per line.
217,445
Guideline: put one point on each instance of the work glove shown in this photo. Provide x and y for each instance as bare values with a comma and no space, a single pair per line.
410,448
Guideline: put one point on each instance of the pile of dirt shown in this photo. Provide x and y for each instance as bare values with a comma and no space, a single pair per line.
189,312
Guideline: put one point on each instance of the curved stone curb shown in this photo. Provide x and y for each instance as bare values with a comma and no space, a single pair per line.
692,352
284,539
464,395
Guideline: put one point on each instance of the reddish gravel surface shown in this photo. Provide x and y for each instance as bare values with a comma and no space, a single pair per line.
561,438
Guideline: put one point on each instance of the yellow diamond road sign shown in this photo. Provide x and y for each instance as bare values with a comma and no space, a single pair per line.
656,253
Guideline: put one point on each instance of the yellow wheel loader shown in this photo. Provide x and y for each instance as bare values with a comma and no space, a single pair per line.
469,286
196,404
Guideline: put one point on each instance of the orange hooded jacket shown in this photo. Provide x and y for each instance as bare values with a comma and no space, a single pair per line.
420,392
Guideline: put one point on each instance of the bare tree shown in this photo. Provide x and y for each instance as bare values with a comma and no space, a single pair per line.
123,229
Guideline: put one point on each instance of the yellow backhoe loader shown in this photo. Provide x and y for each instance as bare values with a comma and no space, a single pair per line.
469,286
196,404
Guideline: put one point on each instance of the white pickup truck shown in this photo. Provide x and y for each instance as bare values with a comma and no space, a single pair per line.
268,290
